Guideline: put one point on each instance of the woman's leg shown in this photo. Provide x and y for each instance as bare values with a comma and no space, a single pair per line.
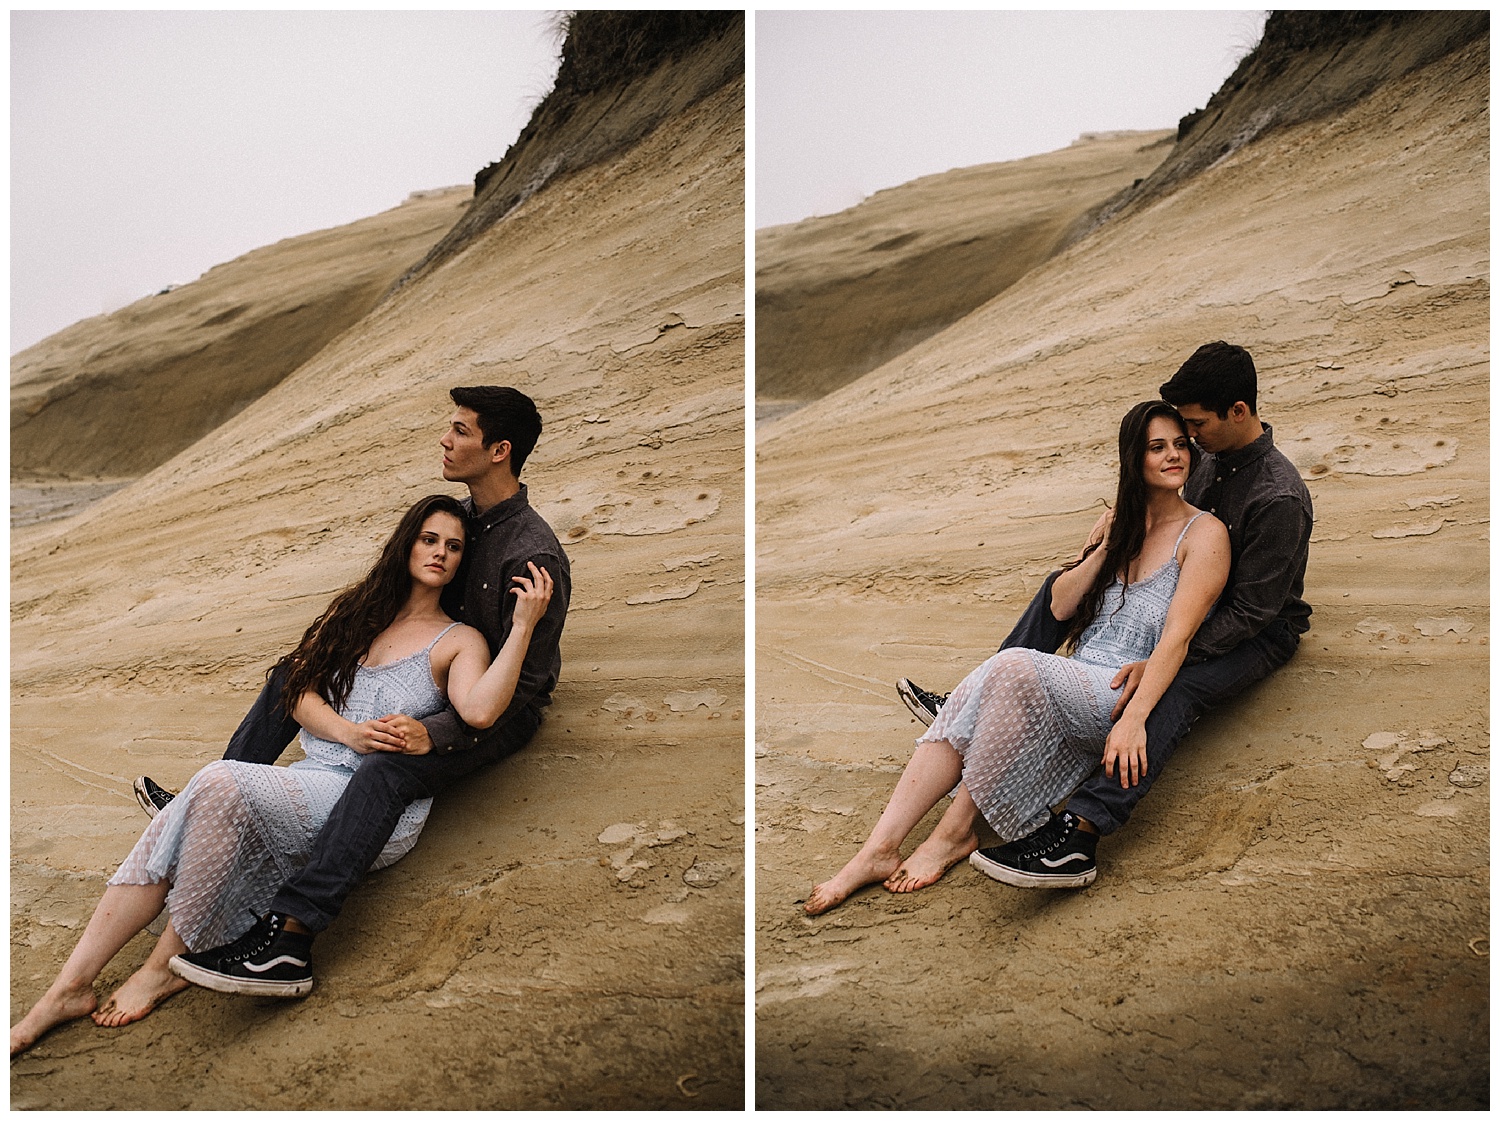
953,839
933,771
147,987
120,916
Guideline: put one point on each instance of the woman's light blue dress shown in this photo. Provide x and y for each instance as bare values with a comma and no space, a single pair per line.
238,831
1031,726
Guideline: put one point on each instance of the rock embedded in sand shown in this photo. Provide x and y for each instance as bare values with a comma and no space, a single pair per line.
1433,500
615,834
663,595
1411,529
1396,744
707,873
1434,627
685,701
1468,775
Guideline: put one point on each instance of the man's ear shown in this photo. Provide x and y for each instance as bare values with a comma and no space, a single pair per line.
1239,411
500,452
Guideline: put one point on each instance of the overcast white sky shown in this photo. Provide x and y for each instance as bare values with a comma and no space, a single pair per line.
848,103
147,147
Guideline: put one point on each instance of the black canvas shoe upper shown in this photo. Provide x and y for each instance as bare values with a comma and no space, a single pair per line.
267,952
153,797
923,703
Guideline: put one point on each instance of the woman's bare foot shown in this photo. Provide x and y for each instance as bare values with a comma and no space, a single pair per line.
142,991
931,859
58,1006
865,868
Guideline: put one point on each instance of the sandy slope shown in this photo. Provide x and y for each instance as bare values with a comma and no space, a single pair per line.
838,295
117,394
570,930
1297,916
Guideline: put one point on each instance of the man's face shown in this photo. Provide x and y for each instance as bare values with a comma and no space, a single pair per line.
1209,430
464,455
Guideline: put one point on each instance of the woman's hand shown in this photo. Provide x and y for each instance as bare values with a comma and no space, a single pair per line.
374,735
1100,533
532,596
413,735
1126,746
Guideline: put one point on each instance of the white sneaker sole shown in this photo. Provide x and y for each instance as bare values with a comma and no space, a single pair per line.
245,986
139,786
903,690
1016,878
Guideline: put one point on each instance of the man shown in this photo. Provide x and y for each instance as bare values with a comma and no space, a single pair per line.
1262,501
490,434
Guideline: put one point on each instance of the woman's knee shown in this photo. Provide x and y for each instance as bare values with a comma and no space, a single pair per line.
213,781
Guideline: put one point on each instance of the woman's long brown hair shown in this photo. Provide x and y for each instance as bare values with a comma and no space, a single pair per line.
1127,533
326,659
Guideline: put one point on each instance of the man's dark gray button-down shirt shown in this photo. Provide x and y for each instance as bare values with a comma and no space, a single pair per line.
501,540
1263,502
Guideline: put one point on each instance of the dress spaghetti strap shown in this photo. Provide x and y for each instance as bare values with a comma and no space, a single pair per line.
450,626
1175,547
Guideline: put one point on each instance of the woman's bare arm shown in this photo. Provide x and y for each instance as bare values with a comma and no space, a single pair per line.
1073,584
1205,568
480,690
318,717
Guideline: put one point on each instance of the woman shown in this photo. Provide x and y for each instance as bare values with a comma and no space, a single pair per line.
215,856
1025,728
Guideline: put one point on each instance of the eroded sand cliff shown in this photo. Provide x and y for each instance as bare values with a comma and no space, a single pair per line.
838,295
570,930
1297,916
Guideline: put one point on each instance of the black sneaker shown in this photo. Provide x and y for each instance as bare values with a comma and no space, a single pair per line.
153,798
1059,854
924,705
268,960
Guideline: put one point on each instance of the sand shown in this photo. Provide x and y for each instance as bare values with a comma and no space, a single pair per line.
569,932
1297,915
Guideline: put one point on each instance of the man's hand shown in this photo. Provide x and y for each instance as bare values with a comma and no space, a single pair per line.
1126,746
375,735
414,737
1129,676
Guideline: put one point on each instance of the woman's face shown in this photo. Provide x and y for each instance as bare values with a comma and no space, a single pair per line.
437,550
1166,454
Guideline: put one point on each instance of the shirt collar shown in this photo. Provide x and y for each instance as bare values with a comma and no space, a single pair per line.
1249,453
497,513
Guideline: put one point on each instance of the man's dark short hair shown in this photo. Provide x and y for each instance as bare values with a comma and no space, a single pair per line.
504,414
1215,377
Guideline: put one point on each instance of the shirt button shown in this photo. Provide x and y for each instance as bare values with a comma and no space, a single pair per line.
485,587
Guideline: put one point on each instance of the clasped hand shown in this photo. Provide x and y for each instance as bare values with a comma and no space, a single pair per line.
395,733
